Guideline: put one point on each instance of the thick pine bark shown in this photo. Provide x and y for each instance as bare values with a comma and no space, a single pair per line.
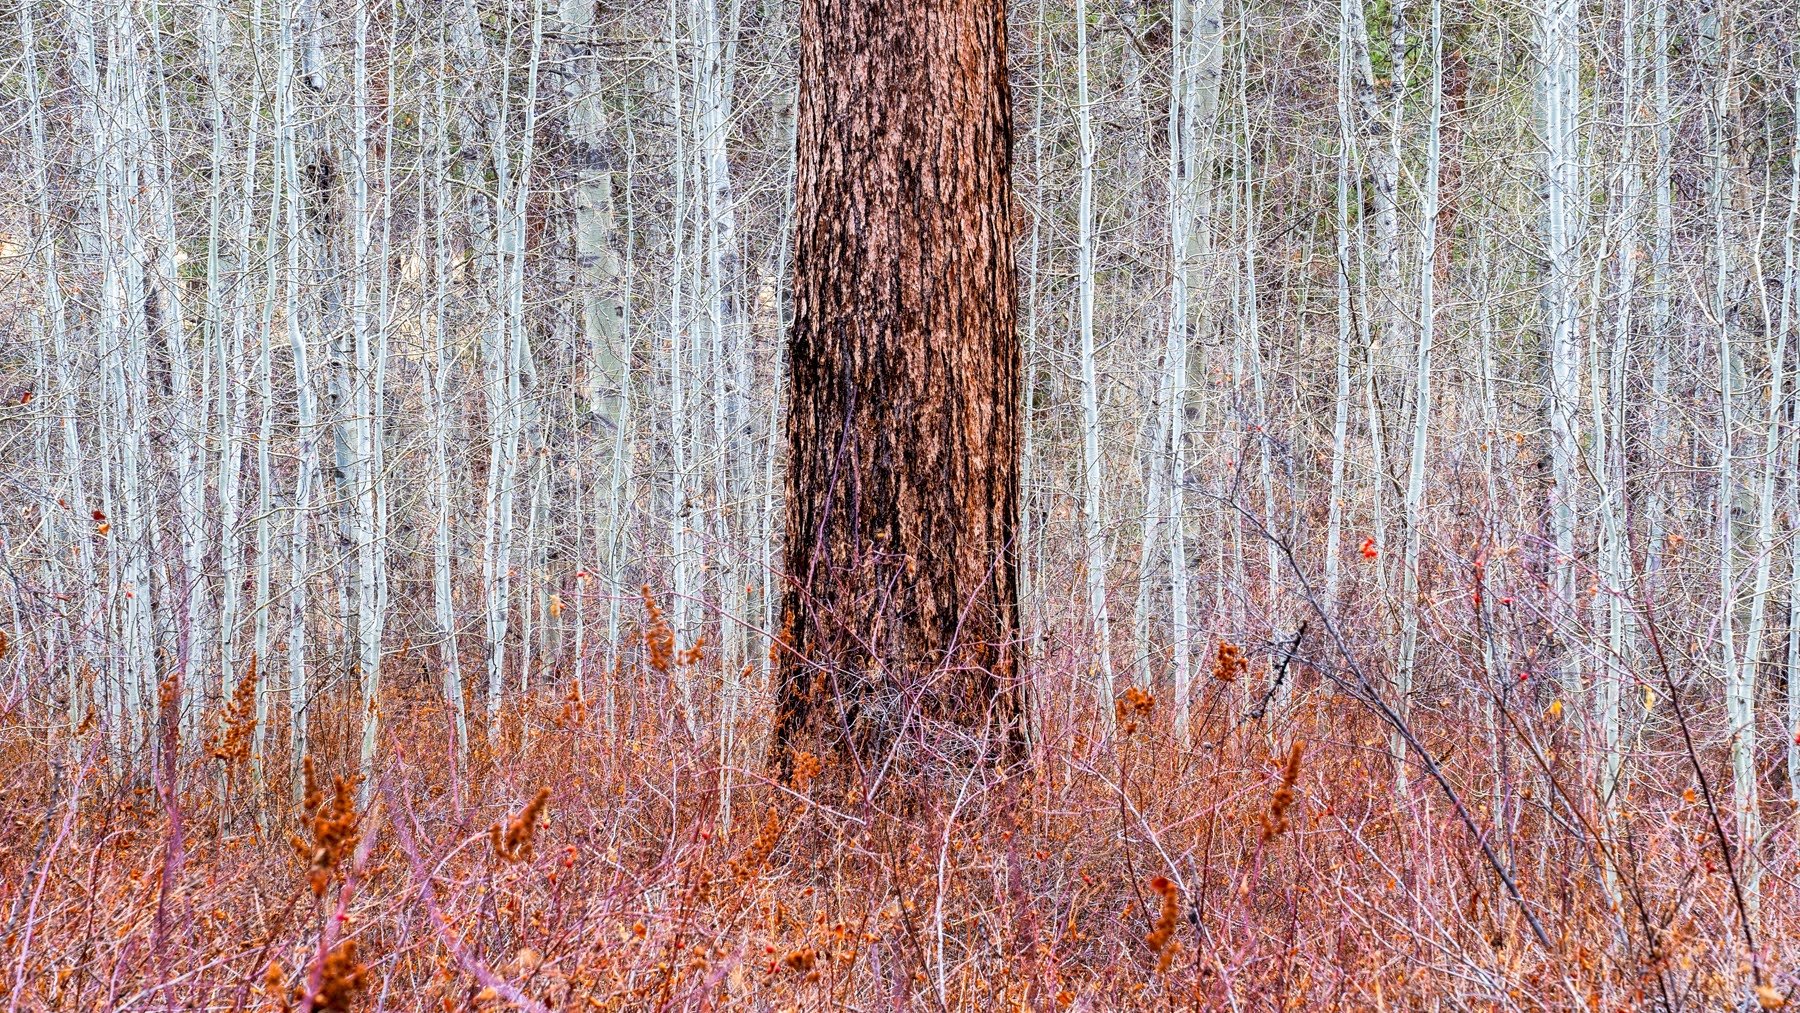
903,427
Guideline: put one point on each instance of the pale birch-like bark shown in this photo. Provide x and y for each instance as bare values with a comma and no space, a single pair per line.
1738,666
182,584
772,438
1340,423
1790,311
365,420
1251,347
1413,513
620,487
66,405
1776,327
597,270
437,386
1093,522
680,509
1031,509
228,351
1609,433
1659,290
1559,88
306,404
509,365
1183,169
125,298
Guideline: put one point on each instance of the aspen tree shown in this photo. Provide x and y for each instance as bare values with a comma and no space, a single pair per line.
1790,311
67,402
1413,516
1096,563
438,388
1609,431
1559,88
1340,423
1739,667
306,406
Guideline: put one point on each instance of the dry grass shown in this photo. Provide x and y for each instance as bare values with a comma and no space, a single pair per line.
579,868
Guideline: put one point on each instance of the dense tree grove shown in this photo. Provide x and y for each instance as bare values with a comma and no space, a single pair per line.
1415,378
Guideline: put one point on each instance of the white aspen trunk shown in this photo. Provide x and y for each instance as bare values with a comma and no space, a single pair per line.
525,378
116,687
184,587
507,373
502,457
1413,515
1259,430
1199,141
227,350
1739,668
1091,506
1387,188
772,428
1154,461
1182,152
1231,511
123,693
306,410
1494,647
1609,431
1030,535
1383,108
1790,309
129,292
71,539
265,479
234,385
443,554
1340,424
365,416
311,43
716,43
534,601
597,272
1560,90
378,413
1377,537
1776,326
619,490
265,482
1659,286
679,507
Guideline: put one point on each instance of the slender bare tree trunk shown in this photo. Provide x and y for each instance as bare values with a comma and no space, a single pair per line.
1739,667
1659,285
366,414
299,567
67,402
1609,431
1340,424
442,415
680,508
1096,562
1790,310
1413,515
1561,97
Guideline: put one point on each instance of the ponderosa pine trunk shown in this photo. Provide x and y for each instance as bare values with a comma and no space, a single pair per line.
901,595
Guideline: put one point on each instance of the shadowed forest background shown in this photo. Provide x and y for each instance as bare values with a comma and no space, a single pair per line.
393,407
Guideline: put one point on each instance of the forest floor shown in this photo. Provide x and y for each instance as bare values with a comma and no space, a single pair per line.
588,863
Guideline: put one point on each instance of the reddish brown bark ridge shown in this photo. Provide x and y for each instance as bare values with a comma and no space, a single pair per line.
903,431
